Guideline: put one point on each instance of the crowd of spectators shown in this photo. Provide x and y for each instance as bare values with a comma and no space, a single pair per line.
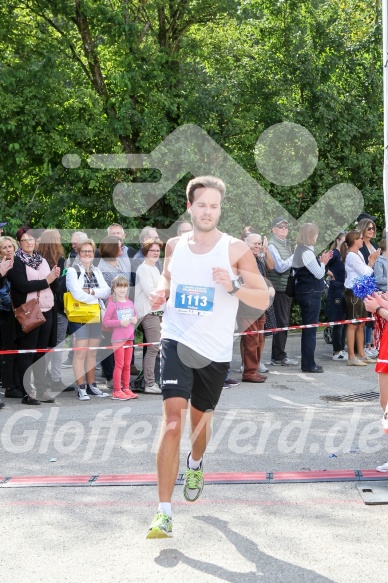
37,266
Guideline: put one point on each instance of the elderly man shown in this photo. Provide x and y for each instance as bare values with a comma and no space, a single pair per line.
250,320
280,249
76,238
184,227
116,230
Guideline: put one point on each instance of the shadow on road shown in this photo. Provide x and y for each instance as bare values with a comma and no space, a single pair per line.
268,568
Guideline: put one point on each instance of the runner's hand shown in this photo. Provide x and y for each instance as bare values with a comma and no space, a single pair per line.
221,276
157,299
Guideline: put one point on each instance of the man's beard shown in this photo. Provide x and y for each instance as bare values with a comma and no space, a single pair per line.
205,228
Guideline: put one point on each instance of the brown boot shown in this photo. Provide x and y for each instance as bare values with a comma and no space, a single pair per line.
256,378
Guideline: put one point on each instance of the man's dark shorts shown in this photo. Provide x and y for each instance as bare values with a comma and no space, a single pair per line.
185,373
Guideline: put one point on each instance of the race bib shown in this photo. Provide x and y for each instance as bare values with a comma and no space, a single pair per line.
192,299
124,314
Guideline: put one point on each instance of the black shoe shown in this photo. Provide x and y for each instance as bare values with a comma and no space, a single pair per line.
2,405
14,394
316,368
27,400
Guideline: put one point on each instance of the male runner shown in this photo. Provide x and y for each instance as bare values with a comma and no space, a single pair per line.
201,278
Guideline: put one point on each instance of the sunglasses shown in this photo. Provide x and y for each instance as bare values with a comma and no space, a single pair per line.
370,229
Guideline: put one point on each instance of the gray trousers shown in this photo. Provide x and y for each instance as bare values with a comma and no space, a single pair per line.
151,327
56,357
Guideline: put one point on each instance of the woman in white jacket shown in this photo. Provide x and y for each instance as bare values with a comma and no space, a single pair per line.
86,284
147,277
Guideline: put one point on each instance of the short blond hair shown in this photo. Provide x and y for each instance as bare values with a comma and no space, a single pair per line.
7,238
86,242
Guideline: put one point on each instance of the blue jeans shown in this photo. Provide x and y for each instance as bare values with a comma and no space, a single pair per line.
310,307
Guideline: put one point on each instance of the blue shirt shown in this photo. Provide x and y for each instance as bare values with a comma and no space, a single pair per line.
337,266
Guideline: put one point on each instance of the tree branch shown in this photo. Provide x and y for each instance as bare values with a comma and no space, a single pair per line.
147,27
96,72
63,35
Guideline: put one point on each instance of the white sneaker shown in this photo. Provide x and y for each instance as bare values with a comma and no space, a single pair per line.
154,389
94,390
372,352
82,395
339,356
262,368
383,468
345,354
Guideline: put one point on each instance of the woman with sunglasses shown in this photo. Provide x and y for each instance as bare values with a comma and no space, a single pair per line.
368,232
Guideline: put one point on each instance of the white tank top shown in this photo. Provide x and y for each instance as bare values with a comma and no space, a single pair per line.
200,313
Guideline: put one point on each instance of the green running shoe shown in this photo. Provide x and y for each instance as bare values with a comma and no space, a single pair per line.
194,482
161,526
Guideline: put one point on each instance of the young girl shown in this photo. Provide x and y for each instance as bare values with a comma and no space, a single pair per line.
120,315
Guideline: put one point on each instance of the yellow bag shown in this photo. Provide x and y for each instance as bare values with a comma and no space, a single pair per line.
80,312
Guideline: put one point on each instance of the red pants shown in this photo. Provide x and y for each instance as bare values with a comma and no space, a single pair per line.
252,345
122,369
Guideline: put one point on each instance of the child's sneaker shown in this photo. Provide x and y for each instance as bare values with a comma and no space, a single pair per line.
120,396
130,394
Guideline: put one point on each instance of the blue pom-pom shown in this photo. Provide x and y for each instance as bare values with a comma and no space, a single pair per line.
364,286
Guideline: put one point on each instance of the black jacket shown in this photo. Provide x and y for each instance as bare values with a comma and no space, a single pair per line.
20,287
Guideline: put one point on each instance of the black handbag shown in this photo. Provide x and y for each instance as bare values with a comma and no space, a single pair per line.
290,288
270,320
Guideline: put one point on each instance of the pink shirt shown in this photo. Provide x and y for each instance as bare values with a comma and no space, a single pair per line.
115,313
46,297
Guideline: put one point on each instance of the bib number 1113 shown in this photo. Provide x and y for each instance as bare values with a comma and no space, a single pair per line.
194,300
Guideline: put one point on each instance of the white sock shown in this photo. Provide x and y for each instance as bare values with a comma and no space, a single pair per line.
194,465
165,507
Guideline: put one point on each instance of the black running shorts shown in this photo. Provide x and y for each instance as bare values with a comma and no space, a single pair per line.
185,373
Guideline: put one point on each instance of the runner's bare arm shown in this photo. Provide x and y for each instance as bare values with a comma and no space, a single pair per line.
158,297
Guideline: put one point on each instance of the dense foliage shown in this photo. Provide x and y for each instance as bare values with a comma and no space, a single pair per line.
111,76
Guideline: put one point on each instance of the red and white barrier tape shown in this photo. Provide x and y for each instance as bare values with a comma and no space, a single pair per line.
302,326
81,348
